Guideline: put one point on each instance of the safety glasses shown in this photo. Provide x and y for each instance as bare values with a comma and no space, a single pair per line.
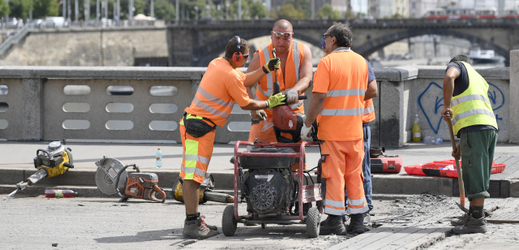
246,57
284,35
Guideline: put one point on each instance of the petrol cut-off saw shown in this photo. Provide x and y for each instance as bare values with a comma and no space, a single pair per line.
52,161
112,178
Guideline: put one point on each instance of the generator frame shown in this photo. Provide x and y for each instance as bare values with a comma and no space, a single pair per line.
306,193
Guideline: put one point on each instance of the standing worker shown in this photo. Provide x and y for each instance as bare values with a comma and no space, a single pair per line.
294,77
221,85
466,103
340,84
367,117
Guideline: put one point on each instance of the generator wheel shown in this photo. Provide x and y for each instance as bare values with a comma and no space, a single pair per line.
228,221
313,222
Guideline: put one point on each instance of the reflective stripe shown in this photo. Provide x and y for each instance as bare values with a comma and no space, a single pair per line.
468,98
369,109
270,84
334,211
344,92
358,202
210,109
342,112
295,52
334,203
362,210
214,99
473,112
190,171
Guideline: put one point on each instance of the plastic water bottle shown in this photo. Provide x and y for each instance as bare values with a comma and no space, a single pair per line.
429,140
417,132
438,141
59,193
158,163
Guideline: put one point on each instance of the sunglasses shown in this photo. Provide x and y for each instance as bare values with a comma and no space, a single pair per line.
285,35
325,35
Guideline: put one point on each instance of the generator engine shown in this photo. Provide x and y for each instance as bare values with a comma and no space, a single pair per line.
268,185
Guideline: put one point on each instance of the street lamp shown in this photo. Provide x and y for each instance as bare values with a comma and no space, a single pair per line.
196,12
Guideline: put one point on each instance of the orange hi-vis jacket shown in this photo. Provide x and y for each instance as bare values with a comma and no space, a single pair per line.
219,88
343,76
293,64
369,111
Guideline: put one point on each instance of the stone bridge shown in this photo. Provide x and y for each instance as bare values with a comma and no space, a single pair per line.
196,43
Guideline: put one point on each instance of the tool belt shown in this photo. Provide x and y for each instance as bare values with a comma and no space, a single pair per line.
196,127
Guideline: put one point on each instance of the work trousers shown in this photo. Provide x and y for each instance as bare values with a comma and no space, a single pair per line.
196,154
477,157
342,167
366,167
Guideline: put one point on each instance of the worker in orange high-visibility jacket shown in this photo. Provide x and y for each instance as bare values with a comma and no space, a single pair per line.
221,85
294,78
340,84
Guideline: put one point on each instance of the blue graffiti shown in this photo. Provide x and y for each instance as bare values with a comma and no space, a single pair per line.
437,106
494,97
432,113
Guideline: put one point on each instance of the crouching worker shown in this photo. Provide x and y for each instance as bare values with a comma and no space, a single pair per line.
221,85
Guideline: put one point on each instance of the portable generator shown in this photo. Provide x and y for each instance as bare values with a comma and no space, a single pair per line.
112,178
274,193
268,184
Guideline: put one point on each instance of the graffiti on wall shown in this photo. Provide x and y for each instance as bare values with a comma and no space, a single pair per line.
430,102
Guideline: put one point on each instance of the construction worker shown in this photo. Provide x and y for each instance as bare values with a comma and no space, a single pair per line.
340,84
466,103
221,85
294,77
367,117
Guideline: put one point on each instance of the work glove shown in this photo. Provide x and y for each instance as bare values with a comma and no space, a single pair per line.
258,115
272,64
292,96
276,100
306,132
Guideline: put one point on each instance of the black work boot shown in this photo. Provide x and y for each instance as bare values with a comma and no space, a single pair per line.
197,229
333,225
356,224
472,225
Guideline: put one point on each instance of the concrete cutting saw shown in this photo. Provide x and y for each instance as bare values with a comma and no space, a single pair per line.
112,178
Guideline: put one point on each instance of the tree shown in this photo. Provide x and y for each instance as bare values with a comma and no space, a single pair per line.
302,6
288,11
43,8
4,8
20,8
164,10
327,12
257,10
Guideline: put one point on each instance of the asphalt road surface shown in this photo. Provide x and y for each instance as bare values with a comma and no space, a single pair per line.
105,223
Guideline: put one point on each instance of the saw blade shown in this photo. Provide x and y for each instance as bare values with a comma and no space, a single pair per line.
106,174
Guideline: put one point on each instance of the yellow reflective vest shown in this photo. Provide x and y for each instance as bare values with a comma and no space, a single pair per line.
472,107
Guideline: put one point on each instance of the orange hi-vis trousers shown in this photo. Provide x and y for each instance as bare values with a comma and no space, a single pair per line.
342,166
197,152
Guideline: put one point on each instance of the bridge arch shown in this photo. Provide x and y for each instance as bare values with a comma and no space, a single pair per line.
376,44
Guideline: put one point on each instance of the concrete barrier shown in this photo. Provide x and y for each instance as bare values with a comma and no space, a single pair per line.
110,104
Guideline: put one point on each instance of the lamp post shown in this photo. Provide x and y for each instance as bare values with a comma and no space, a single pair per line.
196,12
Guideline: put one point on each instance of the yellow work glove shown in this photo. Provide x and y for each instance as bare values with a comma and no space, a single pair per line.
276,100
272,64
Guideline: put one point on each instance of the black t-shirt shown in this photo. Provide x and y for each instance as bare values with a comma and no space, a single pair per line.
461,83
